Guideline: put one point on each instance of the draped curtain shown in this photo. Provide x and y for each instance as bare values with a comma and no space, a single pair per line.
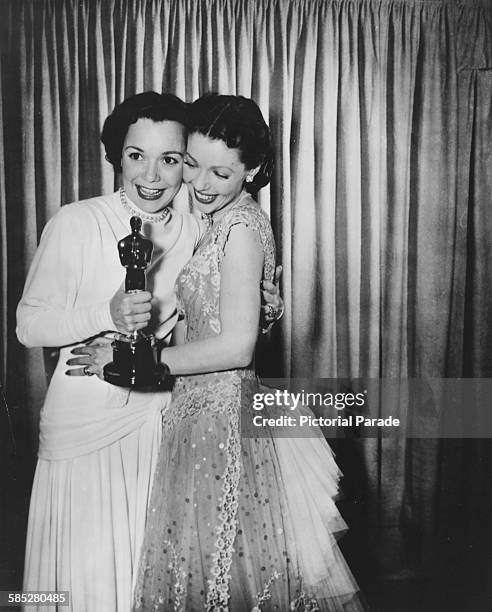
381,115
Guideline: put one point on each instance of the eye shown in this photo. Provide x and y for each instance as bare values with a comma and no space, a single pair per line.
170,161
221,176
135,155
189,162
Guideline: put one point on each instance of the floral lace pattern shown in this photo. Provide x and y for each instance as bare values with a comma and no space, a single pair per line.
205,393
218,584
198,285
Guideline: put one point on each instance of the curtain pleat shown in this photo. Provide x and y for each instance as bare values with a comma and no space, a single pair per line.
4,272
381,121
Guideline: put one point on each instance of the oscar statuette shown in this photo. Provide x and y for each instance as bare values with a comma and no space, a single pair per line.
134,362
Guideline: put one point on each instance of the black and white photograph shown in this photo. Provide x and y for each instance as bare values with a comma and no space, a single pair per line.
246,305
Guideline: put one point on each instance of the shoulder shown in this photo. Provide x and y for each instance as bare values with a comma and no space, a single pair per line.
248,213
80,216
190,221
189,226
249,218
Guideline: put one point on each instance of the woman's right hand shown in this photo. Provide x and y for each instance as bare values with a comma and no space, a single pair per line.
90,358
130,311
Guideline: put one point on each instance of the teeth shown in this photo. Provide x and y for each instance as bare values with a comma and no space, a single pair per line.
150,192
201,197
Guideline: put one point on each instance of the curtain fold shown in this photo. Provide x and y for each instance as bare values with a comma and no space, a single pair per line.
478,155
3,249
381,118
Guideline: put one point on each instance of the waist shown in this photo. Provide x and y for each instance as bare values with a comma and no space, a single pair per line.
194,381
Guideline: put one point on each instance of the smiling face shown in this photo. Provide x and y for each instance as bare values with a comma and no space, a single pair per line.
213,173
152,163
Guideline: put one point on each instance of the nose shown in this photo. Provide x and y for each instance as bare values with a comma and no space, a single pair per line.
200,182
151,172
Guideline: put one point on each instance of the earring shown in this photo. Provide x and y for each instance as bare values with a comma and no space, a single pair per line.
249,178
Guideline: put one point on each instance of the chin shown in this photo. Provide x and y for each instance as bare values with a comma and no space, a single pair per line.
213,207
202,208
152,207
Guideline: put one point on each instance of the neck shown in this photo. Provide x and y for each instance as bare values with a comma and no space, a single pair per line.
133,209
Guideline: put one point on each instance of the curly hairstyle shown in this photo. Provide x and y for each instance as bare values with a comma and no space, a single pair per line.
238,122
148,105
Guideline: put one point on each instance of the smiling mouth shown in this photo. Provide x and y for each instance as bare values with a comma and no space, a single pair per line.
204,198
149,194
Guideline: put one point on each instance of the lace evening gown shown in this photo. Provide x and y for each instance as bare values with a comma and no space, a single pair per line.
236,523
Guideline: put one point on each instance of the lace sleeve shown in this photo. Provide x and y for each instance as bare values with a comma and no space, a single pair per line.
250,215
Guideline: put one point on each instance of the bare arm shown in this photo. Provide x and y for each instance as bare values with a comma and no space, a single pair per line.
178,337
241,274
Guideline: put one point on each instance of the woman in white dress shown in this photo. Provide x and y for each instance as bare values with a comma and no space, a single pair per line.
98,443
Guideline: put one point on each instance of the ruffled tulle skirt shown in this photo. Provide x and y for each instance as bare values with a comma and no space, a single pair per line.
239,523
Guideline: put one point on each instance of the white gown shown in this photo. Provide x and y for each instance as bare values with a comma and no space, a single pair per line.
98,443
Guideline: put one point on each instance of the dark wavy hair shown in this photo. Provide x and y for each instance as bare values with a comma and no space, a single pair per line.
148,105
238,122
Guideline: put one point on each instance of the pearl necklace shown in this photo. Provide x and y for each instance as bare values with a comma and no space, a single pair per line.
157,218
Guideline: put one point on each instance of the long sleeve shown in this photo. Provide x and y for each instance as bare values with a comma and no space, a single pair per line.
50,313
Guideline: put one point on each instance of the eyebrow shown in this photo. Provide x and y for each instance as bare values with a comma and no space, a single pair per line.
163,152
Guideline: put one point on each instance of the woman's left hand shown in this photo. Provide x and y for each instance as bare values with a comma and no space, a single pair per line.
91,358
273,306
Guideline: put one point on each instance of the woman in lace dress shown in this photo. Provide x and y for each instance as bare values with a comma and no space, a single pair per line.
227,527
